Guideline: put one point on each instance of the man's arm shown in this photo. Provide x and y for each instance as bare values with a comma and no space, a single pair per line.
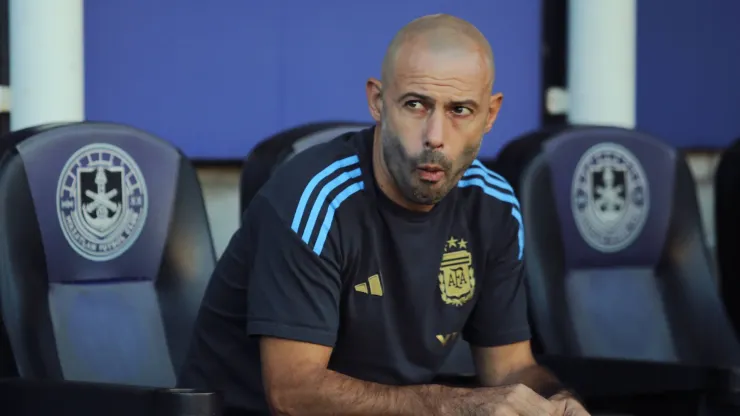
293,307
498,330
298,382
512,364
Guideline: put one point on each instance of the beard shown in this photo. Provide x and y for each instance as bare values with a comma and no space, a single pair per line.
403,169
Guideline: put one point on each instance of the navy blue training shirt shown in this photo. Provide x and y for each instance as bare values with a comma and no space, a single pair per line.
323,256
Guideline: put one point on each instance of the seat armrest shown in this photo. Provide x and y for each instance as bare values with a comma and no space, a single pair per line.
597,377
32,398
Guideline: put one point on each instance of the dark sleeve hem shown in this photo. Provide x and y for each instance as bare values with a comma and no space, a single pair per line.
497,340
294,333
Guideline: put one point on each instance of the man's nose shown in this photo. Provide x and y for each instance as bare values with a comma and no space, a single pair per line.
434,137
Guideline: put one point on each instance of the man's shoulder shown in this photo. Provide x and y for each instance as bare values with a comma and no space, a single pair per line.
315,182
487,194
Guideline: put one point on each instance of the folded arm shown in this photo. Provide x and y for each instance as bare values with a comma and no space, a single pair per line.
297,382
514,364
498,328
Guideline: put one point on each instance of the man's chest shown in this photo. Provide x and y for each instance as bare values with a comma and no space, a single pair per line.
408,290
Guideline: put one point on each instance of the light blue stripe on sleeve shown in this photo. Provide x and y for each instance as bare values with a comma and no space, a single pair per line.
321,200
489,190
329,217
490,179
312,185
479,164
516,214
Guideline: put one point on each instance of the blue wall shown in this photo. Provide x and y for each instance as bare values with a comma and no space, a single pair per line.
215,77
688,71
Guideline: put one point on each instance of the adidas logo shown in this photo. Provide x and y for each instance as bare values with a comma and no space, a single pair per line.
372,287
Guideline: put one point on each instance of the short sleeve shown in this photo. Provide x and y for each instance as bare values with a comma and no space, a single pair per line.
292,292
500,313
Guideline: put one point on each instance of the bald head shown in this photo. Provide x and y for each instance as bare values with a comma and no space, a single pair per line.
432,106
439,33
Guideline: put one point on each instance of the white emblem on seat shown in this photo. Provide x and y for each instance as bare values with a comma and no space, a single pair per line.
102,201
610,197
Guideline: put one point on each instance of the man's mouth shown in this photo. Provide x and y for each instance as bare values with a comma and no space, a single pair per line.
430,173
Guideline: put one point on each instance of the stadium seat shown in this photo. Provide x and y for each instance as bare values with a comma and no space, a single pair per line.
7,363
622,295
727,229
105,252
276,149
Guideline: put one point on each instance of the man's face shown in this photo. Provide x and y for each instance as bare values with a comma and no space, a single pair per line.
435,110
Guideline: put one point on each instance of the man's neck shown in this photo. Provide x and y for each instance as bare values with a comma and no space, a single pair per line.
385,183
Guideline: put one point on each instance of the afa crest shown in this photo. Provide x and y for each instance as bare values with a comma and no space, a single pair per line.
456,273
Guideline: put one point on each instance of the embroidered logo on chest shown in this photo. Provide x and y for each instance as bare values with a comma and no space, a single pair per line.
456,274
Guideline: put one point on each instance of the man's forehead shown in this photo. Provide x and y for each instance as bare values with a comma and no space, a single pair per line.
454,67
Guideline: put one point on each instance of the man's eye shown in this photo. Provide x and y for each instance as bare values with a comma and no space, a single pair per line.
414,105
462,111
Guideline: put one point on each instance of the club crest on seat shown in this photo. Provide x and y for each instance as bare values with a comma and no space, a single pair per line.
102,201
610,197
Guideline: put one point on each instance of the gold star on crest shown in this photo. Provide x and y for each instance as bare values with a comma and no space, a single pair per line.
463,244
451,243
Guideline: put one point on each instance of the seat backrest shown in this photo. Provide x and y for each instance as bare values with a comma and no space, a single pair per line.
105,252
7,142
277,149
617,263
727,228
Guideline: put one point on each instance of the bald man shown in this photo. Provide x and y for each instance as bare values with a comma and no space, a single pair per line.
362,260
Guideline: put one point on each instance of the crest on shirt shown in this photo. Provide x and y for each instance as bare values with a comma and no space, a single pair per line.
102,201
456,273
610,198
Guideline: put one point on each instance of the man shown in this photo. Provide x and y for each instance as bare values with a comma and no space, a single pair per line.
362,259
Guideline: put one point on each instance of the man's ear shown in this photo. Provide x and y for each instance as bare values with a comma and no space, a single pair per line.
494,105
374,91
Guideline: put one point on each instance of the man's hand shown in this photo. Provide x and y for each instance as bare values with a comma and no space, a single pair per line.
567,405
513,400
514,363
